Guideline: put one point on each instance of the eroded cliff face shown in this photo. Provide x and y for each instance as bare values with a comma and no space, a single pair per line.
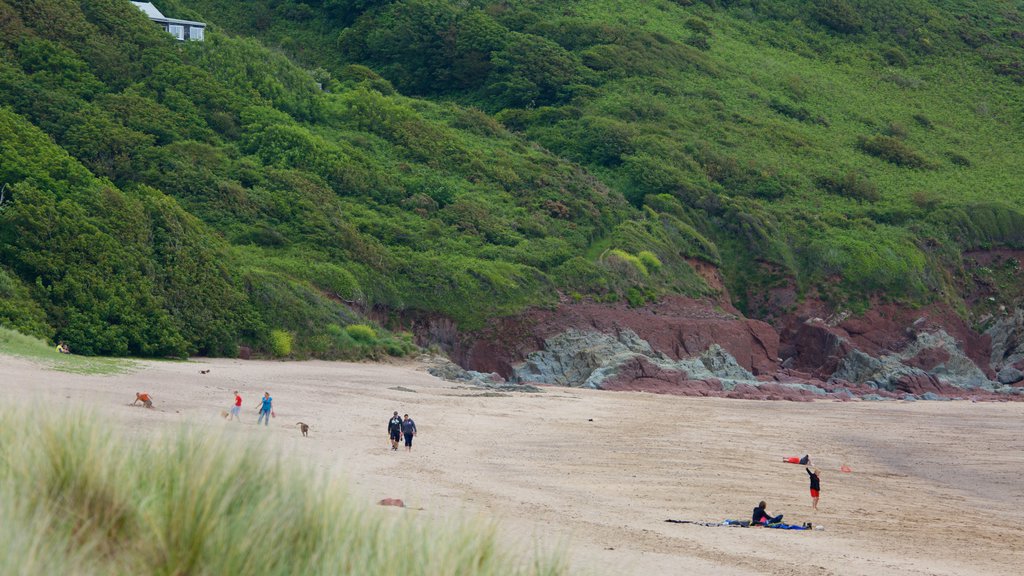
706,347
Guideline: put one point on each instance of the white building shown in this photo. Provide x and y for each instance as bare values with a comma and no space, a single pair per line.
180,29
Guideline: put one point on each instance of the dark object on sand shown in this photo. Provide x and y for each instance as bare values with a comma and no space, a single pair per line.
392,502
303,427
207,371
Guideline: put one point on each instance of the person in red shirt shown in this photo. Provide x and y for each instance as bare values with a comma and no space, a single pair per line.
233,415
143,397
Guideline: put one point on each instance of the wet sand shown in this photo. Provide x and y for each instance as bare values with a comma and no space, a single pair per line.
936,487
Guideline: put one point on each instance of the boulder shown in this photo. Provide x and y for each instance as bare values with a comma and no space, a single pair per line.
1010,375
918,384
819,348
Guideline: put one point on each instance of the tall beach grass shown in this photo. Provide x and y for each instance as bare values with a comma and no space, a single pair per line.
79,498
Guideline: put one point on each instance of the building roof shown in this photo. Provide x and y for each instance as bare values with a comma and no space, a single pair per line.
155,15
149,9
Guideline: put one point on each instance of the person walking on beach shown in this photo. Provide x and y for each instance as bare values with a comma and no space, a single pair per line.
266,409
815,486
395,430
408,430
233,414
761,516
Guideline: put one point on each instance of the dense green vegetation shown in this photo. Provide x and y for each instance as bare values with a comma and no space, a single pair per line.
78,498
470,159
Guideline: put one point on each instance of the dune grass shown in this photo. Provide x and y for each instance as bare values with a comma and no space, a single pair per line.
17,344
78,498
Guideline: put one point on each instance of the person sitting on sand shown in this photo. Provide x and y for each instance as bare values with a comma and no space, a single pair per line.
62,348
815,486
761,516
143,397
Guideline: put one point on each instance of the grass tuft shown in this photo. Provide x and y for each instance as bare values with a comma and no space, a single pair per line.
79,498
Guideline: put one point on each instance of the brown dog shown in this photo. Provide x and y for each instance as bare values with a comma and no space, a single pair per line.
304,427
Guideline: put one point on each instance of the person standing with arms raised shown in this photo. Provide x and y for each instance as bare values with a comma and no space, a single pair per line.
815,486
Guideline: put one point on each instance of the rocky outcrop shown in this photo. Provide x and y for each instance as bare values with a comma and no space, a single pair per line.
676,327
591,359
1007,336
445,369
707,348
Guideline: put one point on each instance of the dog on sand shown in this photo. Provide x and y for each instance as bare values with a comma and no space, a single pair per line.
303,427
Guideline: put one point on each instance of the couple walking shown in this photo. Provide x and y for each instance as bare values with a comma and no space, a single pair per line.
266,409
399,427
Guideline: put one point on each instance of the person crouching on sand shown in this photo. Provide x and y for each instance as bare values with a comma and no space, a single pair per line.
815,486
143,397
761,516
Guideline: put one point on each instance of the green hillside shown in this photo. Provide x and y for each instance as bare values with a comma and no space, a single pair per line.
471,159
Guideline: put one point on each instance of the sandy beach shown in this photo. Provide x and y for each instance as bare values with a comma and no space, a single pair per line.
935,487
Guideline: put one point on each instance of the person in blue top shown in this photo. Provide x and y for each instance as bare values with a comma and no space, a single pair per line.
266,409
408,430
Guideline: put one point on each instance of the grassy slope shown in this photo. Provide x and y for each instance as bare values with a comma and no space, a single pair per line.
775,102
733,132
16,344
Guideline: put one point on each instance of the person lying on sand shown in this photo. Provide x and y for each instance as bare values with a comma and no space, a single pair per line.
762,516
143,397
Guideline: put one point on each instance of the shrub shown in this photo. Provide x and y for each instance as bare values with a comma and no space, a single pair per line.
959,159
362,333
697,25
281,343
650,260
895,57
626,263
894,151
839,16
635,297
699,42
926,201
850,185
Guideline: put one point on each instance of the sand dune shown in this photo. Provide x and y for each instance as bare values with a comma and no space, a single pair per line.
936,487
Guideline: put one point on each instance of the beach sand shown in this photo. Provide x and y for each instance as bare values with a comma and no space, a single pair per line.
935,487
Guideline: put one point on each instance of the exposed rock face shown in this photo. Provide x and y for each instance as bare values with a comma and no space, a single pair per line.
591,358
1007,334
676,327
918,365
706,348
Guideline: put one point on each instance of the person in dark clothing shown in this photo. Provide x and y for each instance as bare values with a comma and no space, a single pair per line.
408,430
761,516
815,486
395,430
